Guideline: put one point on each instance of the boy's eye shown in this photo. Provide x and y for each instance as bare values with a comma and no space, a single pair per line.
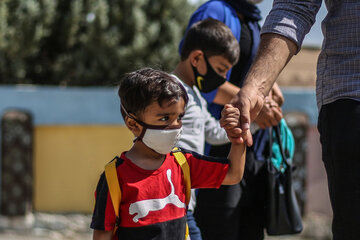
166,118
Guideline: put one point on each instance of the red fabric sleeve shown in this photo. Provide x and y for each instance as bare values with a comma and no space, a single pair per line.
206,171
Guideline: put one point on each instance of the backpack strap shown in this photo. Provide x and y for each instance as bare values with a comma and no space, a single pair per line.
181,160
114,189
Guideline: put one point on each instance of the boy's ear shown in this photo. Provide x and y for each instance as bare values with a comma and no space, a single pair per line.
195,56
133,126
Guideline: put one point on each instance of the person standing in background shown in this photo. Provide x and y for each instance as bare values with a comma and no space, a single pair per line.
236,212
337,93
209,51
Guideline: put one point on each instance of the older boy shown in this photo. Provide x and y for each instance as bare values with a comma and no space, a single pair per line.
209,51
152,185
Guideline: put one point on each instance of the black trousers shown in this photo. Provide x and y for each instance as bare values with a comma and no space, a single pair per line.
339,127
234,212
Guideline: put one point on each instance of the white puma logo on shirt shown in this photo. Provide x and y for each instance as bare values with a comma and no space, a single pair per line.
143,207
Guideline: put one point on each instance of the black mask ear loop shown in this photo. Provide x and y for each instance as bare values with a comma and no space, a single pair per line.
124,113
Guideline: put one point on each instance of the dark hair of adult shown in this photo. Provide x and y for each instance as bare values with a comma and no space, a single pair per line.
141,88
212,37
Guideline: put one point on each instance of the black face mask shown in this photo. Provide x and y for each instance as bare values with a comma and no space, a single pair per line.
208,82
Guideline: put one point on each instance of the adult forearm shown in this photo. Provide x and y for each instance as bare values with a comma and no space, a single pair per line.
274,53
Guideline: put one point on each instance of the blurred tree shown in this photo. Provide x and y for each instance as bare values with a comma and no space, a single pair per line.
87,42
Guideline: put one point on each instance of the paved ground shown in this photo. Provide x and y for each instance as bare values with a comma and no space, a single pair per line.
45,226
41,226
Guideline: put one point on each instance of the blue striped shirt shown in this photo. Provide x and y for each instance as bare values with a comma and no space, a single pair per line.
338,70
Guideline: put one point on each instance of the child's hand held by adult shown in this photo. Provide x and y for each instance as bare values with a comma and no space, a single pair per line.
230,122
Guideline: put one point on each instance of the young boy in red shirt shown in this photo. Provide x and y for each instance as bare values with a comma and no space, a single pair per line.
151,181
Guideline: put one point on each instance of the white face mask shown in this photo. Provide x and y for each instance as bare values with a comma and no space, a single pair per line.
161,139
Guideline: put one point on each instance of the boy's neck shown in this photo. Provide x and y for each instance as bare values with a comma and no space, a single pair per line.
144,157
185,73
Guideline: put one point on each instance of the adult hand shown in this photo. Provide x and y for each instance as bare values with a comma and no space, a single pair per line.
249,100
270,114
274,52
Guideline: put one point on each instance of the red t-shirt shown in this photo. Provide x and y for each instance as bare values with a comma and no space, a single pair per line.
153,201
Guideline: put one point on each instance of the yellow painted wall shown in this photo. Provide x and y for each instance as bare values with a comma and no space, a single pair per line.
68,161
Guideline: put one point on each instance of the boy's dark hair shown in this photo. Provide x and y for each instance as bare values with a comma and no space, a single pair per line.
141,88
212,37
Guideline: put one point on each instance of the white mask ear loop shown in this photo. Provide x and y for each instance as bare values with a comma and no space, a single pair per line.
125,112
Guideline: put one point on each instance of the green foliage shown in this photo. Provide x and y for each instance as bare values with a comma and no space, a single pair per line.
87,42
